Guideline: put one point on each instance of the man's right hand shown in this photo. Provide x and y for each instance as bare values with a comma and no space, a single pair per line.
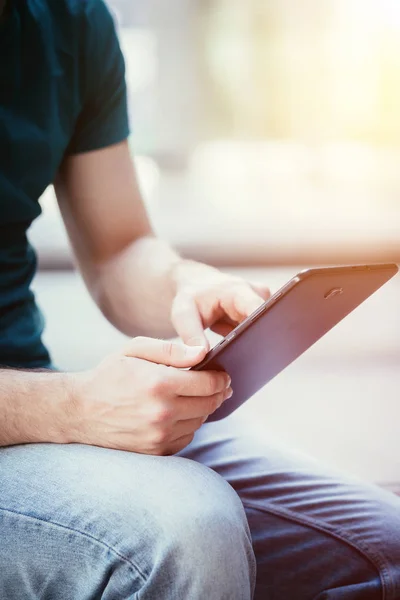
142,401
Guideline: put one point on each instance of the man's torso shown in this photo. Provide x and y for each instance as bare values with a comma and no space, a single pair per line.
41,88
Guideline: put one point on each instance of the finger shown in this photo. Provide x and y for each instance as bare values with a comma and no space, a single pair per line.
183,428
163,352
262,290
241,302
179,445
222,328
197,383
188,408
187,321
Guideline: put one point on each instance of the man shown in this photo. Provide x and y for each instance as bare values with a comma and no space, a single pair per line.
93,504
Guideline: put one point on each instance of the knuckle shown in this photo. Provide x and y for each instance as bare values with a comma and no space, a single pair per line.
159,384
218,383
168,349
160,436
156,387
212,383
161,414
215,403
220,398
223,381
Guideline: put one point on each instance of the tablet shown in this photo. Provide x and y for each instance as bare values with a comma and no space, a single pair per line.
287,324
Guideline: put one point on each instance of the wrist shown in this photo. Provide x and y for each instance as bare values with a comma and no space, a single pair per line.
70,410
56,409
35,407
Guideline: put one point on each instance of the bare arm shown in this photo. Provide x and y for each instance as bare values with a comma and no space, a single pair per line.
127,269
131,401
142,285
139,400
34,407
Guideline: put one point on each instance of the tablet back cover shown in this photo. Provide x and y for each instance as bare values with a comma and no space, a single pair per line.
289,326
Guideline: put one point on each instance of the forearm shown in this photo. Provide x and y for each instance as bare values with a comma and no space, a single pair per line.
135,289
34,407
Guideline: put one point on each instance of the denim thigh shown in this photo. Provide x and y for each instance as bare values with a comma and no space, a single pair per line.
317,534
80,522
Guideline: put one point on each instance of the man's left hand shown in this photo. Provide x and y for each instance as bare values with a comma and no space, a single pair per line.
208,298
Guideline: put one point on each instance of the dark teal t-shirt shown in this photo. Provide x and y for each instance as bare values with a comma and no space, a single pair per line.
62,91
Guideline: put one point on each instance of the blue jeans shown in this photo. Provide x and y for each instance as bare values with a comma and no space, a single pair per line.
80,523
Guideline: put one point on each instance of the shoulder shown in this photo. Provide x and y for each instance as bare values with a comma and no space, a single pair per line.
84,29
92,15
76,8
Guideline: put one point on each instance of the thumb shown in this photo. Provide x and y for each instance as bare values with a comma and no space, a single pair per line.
163,352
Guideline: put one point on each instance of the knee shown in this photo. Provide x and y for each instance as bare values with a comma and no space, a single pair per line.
178,525
203,542
201,507
155,523
174,528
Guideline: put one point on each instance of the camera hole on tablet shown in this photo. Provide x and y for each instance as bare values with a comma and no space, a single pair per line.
334,292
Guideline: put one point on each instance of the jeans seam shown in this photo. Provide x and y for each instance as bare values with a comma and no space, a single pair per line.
369,554
84,534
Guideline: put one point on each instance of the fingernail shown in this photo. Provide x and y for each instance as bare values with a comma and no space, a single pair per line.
229,395
228,382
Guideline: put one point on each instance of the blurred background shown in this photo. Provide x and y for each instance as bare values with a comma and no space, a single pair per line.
267,138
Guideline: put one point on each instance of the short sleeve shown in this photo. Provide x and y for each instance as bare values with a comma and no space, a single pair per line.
103,118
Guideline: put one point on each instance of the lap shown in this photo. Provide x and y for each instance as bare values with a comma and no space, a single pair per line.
96,509
70,516
307,521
